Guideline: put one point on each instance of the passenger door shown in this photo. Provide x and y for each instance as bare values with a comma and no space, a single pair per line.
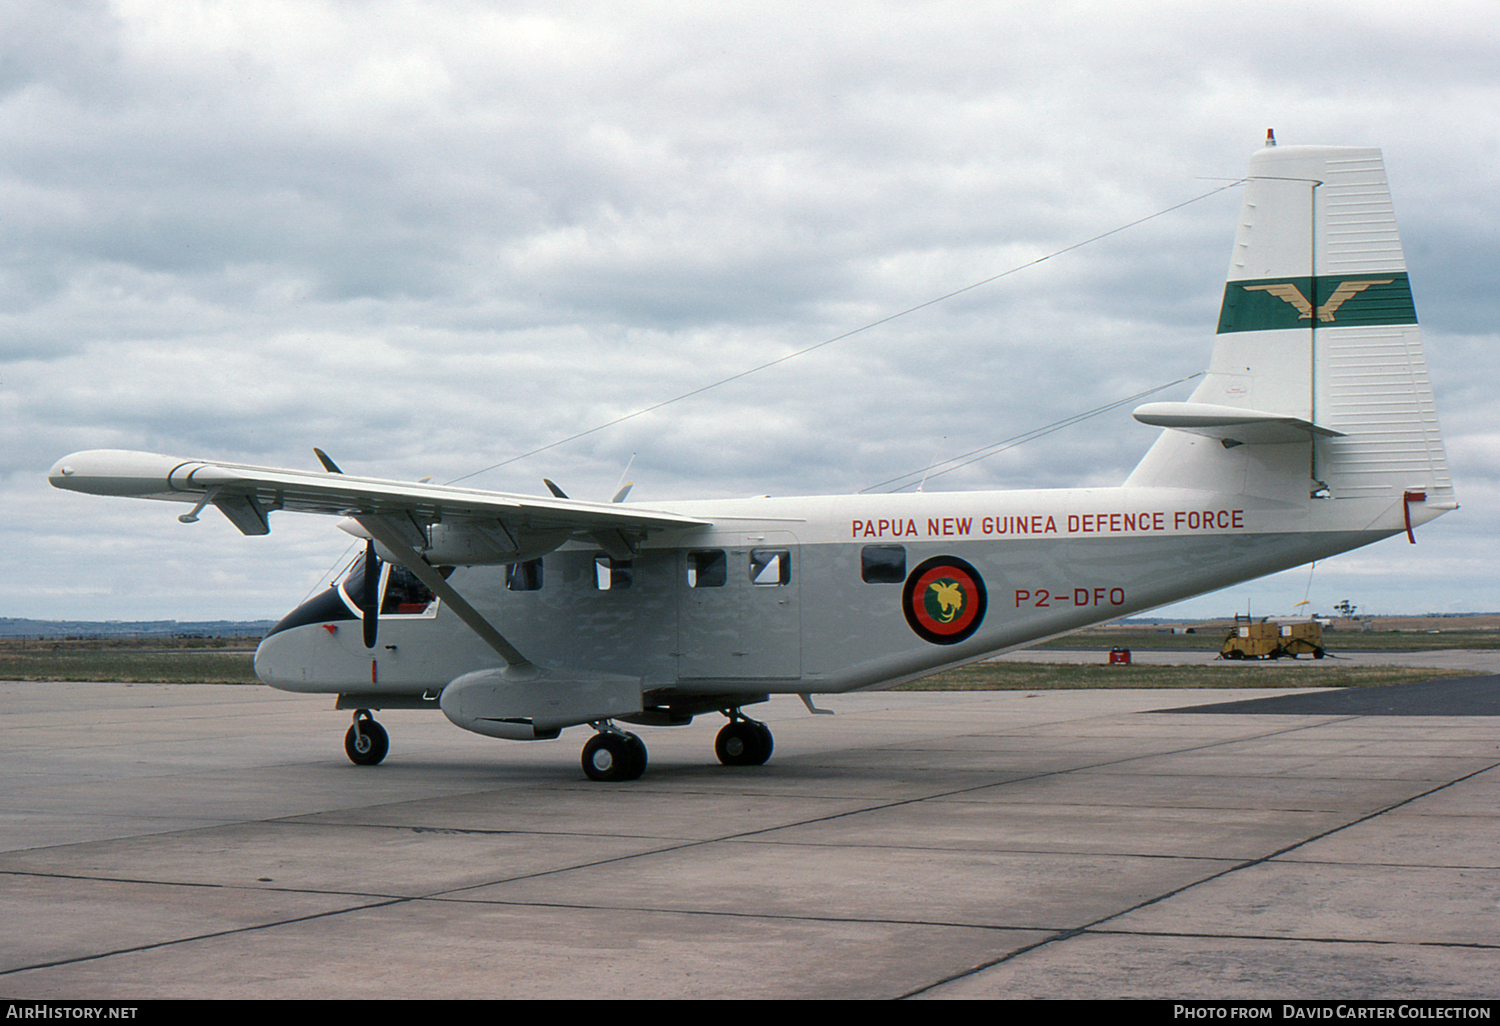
739,614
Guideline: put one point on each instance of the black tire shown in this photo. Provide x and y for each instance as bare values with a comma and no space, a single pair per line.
637,756
768,743
611,758
744,743
366,743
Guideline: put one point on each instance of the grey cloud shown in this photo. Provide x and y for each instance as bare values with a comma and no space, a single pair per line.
432,237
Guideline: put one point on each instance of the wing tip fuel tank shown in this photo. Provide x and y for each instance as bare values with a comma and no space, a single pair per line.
123,472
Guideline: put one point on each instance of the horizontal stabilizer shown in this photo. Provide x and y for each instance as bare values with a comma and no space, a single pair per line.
1234,423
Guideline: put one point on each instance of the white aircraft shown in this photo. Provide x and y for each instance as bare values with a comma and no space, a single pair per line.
1313,432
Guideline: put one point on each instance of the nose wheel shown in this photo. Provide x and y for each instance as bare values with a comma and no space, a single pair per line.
614,755
366,742
743,741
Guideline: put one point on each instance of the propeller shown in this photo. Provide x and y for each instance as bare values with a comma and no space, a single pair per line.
328,464
558,493
369,595
369,599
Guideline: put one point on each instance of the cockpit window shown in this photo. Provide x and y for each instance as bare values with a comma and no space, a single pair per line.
354,578
403,594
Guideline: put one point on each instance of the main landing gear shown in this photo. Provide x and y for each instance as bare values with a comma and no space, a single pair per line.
743,741
611,755
614,755
367,742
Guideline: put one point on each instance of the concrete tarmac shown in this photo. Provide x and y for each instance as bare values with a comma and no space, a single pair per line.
198,841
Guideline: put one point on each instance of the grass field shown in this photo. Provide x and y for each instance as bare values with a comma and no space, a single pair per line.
1208,640
1060,676
151,660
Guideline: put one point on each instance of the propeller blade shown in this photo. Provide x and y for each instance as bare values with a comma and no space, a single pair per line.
328,464
557,493
369,600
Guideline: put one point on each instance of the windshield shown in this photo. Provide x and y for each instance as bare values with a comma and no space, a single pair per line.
401,593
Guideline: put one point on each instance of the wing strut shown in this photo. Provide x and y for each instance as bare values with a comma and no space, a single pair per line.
389,536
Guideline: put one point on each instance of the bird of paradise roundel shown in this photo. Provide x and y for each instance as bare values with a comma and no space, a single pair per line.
944,600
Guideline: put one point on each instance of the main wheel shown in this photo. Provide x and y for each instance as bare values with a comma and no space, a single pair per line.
611,757
366,743
744,743
637,756
768,743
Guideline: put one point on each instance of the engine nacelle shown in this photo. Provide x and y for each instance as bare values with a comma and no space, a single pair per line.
520,707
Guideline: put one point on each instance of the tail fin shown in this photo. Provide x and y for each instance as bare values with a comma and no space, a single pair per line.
1318,359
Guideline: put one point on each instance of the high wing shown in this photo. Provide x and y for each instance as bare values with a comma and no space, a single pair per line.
420,526
444,524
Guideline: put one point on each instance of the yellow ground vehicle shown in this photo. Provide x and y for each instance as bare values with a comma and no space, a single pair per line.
1270,639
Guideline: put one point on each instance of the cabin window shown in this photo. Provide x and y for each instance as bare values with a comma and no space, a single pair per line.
882,564
770,566
525,576
707,568
612,574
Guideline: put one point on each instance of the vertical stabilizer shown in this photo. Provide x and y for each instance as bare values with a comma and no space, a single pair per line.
1318,352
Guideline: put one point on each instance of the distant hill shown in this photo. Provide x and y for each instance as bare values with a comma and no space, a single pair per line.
12,627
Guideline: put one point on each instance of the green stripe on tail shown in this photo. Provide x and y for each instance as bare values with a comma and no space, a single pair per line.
1268,304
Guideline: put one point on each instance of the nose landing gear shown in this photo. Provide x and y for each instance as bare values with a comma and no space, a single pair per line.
366,742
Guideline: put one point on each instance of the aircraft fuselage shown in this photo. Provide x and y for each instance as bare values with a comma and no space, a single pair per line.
809,595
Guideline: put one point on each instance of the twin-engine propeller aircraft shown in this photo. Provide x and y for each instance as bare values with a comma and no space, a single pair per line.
1312,432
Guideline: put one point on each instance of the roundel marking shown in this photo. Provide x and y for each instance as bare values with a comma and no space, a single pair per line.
944,600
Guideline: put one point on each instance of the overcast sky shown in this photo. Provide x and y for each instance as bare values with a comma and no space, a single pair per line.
430,237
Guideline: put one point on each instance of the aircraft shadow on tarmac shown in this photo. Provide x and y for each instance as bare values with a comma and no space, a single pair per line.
1449,696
